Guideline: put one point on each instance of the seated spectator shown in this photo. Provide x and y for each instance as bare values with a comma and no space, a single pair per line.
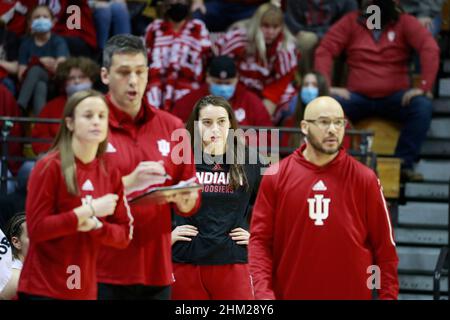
9,50
428,12
39,55
218,15
310,20
222,80
17,234
110,18
81,39
74,74
266,58
314,85
178,52
378,80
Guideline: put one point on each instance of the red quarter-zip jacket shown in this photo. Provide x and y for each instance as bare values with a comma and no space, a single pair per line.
61,261
148,258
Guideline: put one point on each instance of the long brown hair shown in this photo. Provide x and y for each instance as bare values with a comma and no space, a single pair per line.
238,177
63,140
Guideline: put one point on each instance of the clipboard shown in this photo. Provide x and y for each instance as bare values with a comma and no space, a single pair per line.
159,195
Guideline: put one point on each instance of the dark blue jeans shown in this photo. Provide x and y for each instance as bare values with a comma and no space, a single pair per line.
415,118
220,15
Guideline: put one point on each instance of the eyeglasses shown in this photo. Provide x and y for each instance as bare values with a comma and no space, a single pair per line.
325,123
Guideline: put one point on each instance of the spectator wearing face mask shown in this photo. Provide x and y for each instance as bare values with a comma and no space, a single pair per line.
39,55
76,74
72,20
314,85
222,80
178,49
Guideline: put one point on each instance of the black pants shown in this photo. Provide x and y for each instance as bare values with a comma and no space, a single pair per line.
133,292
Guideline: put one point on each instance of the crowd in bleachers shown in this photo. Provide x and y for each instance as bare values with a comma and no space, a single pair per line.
269,59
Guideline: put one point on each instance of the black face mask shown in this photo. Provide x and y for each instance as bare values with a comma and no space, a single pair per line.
177,11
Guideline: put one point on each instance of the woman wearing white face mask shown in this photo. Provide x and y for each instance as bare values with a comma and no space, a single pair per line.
75,74
313,85
39,55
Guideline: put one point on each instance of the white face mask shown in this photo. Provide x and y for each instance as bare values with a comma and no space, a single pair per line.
73,88
41,25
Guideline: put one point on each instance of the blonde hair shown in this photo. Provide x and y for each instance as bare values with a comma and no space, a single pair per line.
63,140
257,44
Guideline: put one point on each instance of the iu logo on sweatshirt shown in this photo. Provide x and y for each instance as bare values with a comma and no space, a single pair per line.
319,206
164,147
87,186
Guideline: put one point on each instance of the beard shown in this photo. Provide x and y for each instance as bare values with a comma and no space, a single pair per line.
318,146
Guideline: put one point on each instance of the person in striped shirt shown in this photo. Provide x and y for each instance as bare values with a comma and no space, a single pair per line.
178,50
266,57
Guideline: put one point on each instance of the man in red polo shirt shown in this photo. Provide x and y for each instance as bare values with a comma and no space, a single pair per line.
378,80
140,145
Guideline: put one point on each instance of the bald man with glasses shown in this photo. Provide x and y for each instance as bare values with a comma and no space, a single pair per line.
320,226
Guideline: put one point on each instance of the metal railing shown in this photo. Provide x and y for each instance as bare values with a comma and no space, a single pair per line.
362,150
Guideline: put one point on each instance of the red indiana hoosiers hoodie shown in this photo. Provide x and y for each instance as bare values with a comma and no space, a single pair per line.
322,232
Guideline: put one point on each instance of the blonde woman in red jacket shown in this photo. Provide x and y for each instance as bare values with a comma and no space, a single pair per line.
75,204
